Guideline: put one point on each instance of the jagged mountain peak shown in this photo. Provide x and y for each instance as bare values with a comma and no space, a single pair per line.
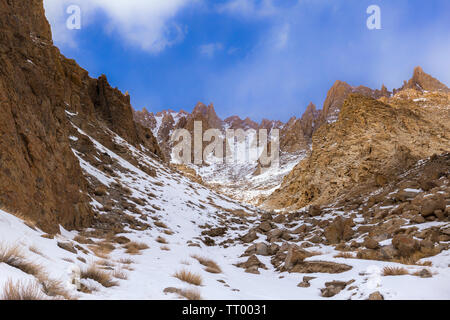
423,81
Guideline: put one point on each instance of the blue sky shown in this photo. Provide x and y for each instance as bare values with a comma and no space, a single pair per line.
256,58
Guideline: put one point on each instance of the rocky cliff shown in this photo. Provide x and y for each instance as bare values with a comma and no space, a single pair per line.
40,175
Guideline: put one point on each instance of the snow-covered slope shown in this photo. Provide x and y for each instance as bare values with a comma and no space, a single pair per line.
173,219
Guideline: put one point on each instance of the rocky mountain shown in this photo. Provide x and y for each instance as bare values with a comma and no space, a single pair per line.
371,142
41,177
91,209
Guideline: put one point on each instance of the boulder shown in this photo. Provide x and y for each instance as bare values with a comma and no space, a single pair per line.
262,249
431,204
252,262
406,245
294,256
340,229
370,243
315,211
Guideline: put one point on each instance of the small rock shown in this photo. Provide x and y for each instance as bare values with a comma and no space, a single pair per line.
100,191
265,226
376,296
370,243
250,237
315,211
253,270
425,273
280,218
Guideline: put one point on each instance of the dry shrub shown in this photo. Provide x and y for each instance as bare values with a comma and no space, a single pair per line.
135,247
185,262
418,255
160,224
101,250
120,274
211,266
26,220
102,277
22,291
36,250
189,277
425,264
82,240
394,271
10,254
105,263
345,255
190,294
165,248
161,240
54,288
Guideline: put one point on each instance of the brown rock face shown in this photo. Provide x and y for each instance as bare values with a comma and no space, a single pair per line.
338,94
292,136
40,176
340,229
423,81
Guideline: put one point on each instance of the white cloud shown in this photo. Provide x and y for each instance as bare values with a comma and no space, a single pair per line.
210,49
148,24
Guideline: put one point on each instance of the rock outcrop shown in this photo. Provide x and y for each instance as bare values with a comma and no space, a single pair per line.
370,142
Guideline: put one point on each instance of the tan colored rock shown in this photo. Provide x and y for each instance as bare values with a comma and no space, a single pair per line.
405,245
340,229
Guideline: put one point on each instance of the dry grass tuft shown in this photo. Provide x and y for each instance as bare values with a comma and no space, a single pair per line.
13,257
120,274
394,271
126,261
82,240
22,291
54,288
36,250
190,294
135,247
102,249
165,248
425,264
189,277
211,266
101,276
161,240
